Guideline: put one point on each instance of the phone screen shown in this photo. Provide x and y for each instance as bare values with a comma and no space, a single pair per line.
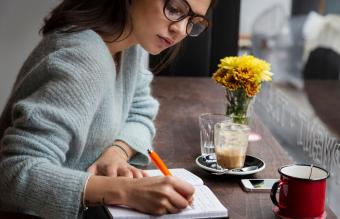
262,184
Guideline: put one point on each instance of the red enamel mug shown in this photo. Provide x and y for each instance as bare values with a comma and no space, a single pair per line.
302,191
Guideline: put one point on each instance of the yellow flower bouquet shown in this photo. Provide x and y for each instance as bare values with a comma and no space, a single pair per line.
242,77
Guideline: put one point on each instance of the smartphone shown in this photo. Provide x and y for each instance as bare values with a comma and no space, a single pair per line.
258,185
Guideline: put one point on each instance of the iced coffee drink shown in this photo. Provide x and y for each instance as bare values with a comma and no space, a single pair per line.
231,144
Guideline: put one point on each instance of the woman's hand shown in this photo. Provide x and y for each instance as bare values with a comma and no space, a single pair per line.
113,162
153,195
158,195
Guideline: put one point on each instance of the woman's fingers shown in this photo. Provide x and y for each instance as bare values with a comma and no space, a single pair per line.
178,201
137,173
159,211
109,170
191,199
167,207
178,197
144,173
115,170
92,169
172,210
182,187
158,195
124,172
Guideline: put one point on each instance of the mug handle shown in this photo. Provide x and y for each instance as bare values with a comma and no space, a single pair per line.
273,194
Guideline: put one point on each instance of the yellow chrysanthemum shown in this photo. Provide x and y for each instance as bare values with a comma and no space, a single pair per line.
226,79
244,71
252,89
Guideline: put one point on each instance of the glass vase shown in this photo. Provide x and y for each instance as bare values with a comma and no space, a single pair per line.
237,104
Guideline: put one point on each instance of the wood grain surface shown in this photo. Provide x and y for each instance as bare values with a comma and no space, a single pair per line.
177,141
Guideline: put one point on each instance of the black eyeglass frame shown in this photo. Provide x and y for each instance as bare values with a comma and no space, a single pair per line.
190,14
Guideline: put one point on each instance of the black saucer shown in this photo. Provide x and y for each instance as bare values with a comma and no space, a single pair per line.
211,165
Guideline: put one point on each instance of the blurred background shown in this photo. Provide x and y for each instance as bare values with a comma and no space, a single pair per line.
300,38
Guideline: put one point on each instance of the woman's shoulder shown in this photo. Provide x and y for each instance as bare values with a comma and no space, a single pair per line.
69,54
86,39
85,45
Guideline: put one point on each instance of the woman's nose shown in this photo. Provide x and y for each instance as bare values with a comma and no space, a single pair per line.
180,27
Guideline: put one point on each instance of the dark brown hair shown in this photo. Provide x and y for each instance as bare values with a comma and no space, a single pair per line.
106,17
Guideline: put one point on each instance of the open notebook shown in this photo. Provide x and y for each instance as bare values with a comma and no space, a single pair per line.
205,205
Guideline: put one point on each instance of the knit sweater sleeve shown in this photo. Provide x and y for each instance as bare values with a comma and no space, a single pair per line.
47,126
139,129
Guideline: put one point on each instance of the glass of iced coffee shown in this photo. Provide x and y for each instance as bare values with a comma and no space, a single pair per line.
231,142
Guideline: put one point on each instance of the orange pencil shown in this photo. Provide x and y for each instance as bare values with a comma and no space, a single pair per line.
158,162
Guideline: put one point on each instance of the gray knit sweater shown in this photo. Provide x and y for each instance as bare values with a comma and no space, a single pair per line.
68,103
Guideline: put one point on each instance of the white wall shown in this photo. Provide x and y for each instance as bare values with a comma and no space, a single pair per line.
20,21
250,9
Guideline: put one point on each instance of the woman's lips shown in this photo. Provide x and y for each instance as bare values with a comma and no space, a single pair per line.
166,41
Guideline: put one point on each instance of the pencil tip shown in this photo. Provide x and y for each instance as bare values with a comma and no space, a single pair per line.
149,151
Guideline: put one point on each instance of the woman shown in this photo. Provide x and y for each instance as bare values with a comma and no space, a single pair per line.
82,102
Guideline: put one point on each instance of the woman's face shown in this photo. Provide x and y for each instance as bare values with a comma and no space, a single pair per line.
153,30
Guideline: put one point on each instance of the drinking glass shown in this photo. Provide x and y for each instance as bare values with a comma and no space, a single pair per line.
231,143
207,122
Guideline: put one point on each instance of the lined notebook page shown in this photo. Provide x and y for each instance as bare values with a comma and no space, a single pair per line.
205,205
180,173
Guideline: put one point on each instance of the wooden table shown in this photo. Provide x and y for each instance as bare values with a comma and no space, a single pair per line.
178,143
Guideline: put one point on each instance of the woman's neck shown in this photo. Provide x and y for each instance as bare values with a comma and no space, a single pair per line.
117,45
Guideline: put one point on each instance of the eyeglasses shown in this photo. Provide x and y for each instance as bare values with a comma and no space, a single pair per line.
177,10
